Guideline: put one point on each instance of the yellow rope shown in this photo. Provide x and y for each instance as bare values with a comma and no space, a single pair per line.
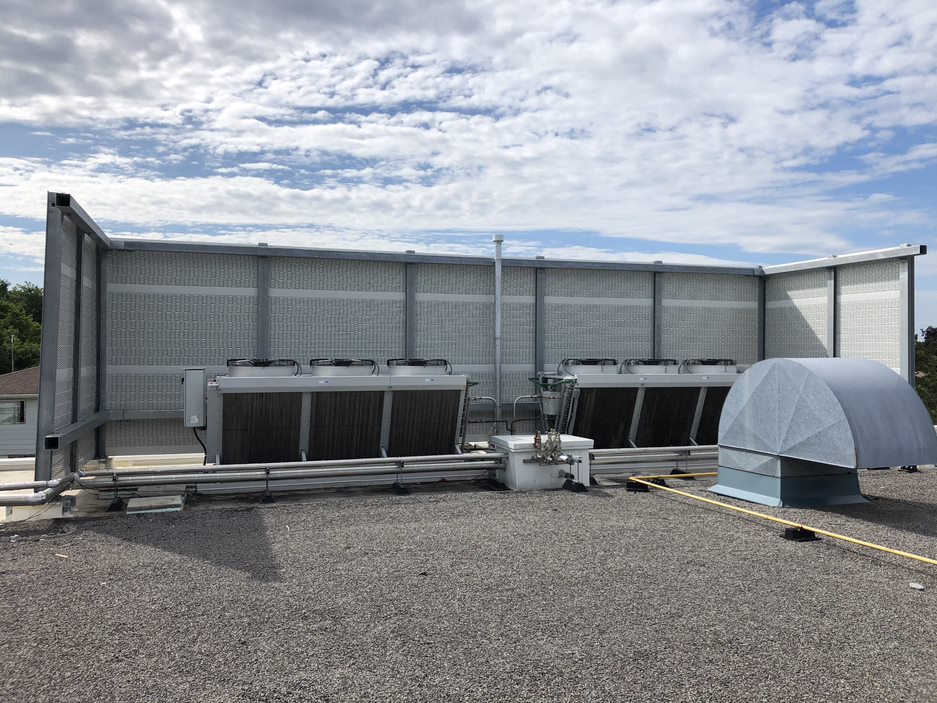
789,523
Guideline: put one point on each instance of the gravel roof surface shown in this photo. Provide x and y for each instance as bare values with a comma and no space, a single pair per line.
469,595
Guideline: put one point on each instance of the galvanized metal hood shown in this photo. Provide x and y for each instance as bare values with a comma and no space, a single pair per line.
852,413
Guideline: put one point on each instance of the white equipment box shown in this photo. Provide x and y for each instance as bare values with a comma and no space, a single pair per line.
524,472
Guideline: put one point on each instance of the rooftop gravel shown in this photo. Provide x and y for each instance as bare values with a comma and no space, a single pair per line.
471,595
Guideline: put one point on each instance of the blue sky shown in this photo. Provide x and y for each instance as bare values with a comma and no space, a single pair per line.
684,130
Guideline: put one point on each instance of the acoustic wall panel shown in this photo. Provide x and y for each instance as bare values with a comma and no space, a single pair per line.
336,275
169,310
158,268
709,316
67,322
598,314
88,338
305,328
336,308
154,436
796,314
868,319
454,319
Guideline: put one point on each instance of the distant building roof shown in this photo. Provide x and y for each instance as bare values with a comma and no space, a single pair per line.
24,382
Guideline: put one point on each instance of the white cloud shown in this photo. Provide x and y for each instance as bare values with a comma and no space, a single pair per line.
20,243
671,121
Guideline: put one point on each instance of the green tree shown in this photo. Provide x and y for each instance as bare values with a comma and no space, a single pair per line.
29,297
20,316
20,330
926,362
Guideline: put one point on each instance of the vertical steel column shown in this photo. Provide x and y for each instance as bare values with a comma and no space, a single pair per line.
831,313
906,292
263,306
76,343
48,351
658,350
100,371
540,320
498,240
760,324
410,310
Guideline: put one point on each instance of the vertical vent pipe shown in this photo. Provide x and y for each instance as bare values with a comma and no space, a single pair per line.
498,241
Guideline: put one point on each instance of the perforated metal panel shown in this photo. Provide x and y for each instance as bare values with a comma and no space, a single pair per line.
89,331
85,451
613,316
796,314
453,279
144,391
336,275
143,268
149,437
706,315
868,322
463,333
303,328
172,329
617,331
66,346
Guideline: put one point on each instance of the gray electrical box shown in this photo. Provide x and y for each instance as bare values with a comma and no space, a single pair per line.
193,384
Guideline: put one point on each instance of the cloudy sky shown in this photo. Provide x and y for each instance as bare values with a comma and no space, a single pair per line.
682,130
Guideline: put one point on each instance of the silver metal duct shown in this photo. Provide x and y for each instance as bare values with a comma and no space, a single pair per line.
793,432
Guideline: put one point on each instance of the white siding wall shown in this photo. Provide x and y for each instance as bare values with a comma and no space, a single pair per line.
20,439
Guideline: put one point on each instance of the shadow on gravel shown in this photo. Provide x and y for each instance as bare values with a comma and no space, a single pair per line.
904,515
230,539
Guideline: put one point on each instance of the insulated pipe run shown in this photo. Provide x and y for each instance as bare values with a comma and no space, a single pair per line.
29,484
498,240
117,480
693,448
44,496
464,459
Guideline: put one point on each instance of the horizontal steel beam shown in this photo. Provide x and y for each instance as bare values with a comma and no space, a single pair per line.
857,258
407,258
70,433
82,220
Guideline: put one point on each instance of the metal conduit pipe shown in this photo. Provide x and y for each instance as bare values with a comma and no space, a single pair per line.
117,480
41,497
463,459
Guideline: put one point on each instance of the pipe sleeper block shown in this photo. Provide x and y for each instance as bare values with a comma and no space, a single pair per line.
799,534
